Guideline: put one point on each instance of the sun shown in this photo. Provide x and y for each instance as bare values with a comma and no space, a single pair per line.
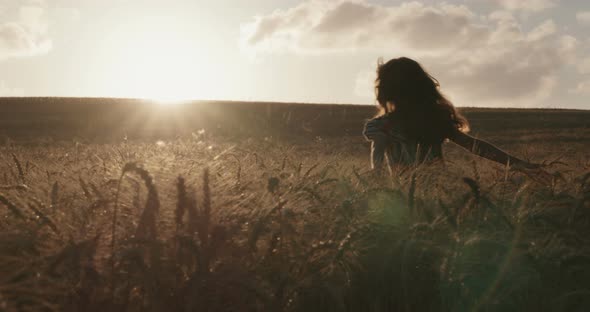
169,100
158,61
157,67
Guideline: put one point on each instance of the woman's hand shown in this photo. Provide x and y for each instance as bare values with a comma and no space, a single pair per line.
524,165
374,128
533,171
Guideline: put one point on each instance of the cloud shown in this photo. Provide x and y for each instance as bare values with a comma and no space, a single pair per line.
582,88
521,75
480,60
583,17
542,31
583,66
527,5
317,26
26,34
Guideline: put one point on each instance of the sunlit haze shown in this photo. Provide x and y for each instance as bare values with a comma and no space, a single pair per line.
498,53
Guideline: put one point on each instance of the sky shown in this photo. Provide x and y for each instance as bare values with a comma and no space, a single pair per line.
485,53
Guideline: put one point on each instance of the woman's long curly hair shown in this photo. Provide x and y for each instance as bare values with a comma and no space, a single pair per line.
407,93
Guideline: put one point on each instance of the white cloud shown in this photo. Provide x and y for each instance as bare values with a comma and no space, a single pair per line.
480,60
542,31
527,5
583,18
584,66
25,34
582,88
317,26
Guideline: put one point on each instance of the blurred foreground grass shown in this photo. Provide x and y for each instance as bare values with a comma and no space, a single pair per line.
199,224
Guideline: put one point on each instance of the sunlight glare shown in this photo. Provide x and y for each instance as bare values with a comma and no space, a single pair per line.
169,100
161,62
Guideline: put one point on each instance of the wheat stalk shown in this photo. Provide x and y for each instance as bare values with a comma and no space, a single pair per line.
45,219
19,167
54,195
84,188
182,202
18,187
412,194
11,206
204,223
147,221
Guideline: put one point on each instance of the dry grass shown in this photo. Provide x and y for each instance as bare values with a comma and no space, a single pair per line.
269,226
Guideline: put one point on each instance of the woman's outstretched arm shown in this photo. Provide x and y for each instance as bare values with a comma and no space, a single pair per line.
374,132
489,151
378,152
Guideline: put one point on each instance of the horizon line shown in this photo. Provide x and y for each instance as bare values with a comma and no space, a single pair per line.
269,102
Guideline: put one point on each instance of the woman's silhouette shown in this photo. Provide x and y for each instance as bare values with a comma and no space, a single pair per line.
415,119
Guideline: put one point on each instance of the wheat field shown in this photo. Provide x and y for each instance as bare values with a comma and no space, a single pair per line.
203,221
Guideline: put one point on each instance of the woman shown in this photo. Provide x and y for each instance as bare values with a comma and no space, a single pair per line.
415,119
